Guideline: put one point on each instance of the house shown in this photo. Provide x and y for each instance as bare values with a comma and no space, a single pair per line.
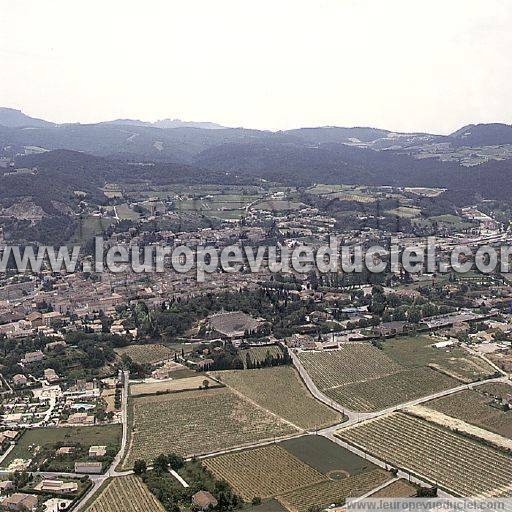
11,435
391,328
56,486
97,451
20,502
19,380
6,486
35,319
48,318
203,500
33,357
65,450
51,376
55,345
81,418
89,468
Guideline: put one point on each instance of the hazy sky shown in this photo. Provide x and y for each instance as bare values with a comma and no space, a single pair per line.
399,64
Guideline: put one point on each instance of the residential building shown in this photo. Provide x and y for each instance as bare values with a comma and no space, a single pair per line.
20,502
204,500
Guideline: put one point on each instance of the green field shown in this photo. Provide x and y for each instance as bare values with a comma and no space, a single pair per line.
90,227
326,456
49,437
417,351
279,205
124,212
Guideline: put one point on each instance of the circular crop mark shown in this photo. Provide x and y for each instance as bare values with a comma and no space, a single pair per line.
337,474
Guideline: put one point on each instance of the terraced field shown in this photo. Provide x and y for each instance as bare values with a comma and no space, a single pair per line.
332,491
458,464
146,354
280,390
378,394
353,362
126,494
264,472
198,422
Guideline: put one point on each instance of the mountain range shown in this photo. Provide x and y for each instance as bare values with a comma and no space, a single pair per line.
474,159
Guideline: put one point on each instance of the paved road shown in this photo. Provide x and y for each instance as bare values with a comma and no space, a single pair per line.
98,480
124,442
354,417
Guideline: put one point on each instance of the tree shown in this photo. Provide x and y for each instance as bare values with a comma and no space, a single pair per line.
140,467
256,501
161,463
175,461
206,383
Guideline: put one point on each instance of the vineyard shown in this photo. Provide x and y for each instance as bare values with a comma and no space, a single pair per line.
198,422
475,407
397,489
353,362
378,394
126,494
146,354
332,491
460,465
264,472
363,378
280,390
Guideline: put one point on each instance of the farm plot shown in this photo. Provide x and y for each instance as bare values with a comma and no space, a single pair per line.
126,494
397,489
458,464
146,354
353,362
280,390
477,408
170,386
378,394
329,458
279,205
125,212
417,351
264,472
198,422
331,491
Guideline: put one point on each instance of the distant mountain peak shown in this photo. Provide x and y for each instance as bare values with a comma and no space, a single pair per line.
488,134
166,123
178,123
13,118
